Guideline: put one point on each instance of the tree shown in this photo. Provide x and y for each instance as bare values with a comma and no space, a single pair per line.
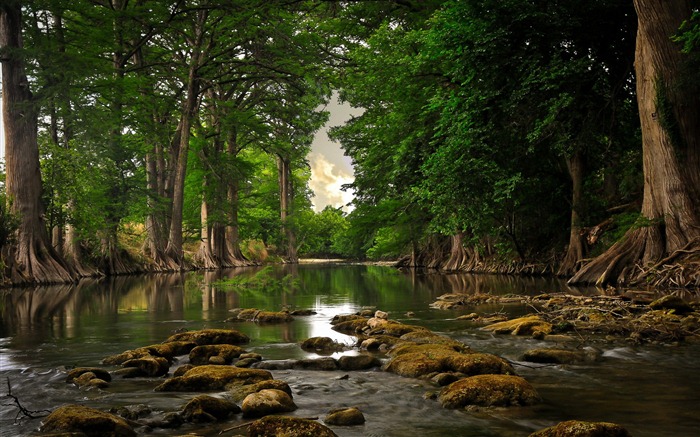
669,228
32,258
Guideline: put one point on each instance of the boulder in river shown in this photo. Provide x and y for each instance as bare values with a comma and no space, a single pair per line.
282,426
358,362
205,408
489,391
267,401
260,316
167,350
225,353
577,428
149,365
321,344
345,417
86,421
210,336
213,377
239,392
89,379
96,372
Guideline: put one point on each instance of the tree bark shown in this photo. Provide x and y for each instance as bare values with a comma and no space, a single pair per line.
33,258
670,120
576,250
458,254
286,198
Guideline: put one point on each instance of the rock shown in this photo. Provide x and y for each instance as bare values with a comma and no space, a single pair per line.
281,426
86,421
470,316
267,401
342,318
238,393
303,313
351,326
96,372
211,336
246,362
89,379
446,378
423,360
521,326
345,417
274,364
576,428
183,369
670,302
129,372
166,420
358,362
204,354
205,408
132,412
325,363
381,315
429,337
395,329
256,315
489,391
167,350
149,365
213,377
379,342
560,356
325,344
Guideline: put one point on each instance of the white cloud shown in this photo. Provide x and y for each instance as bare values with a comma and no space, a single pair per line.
326,181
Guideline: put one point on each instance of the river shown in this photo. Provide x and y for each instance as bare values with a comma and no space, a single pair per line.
652,390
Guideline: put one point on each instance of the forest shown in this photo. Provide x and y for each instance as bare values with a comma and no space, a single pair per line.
511,136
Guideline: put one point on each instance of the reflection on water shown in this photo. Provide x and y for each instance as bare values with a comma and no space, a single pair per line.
43,330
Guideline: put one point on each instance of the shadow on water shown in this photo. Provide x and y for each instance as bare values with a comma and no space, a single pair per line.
45,330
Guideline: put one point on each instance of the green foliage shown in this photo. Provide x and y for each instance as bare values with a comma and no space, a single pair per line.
266,280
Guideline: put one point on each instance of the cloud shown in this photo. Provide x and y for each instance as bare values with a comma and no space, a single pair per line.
326,181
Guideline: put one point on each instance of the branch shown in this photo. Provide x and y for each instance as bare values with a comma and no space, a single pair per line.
32,414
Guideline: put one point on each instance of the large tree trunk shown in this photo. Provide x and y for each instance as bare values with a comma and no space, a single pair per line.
576,250
33,259
232,196
458,253
286,192
670,120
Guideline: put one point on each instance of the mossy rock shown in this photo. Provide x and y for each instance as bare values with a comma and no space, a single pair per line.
409,348
342,318
671,302
377,342
429,337
203,354
323,344
395,329
325,363
86,421
89,380
211,336
559,356
213,377
351,326
149,365
521,326
358,362
205,408
576,428
239,392
489,391
267,401
167,350
478,364
260,316
417,364
345,417
98,372
281,426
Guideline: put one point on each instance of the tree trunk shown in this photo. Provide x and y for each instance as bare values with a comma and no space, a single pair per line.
233,243
286,190
458,254
670,120
33,257
576,250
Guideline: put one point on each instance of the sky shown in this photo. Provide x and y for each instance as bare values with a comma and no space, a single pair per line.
330,168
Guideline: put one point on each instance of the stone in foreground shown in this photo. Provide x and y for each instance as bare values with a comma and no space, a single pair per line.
345,417
489,391
80,420
576,428
213,377
281,426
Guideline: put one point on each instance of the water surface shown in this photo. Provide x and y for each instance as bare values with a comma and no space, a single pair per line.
652,390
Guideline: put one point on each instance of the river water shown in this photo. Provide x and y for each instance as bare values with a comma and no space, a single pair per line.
652,390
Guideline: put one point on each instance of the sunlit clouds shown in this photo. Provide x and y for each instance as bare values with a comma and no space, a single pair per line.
326,181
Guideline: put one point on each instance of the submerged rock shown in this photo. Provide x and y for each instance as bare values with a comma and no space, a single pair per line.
576,428
281,426
267,401
213,377
489,391
86,421
560,356
345,417
210,336
205,408
96,372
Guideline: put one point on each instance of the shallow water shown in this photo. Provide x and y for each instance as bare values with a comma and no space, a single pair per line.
651,390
